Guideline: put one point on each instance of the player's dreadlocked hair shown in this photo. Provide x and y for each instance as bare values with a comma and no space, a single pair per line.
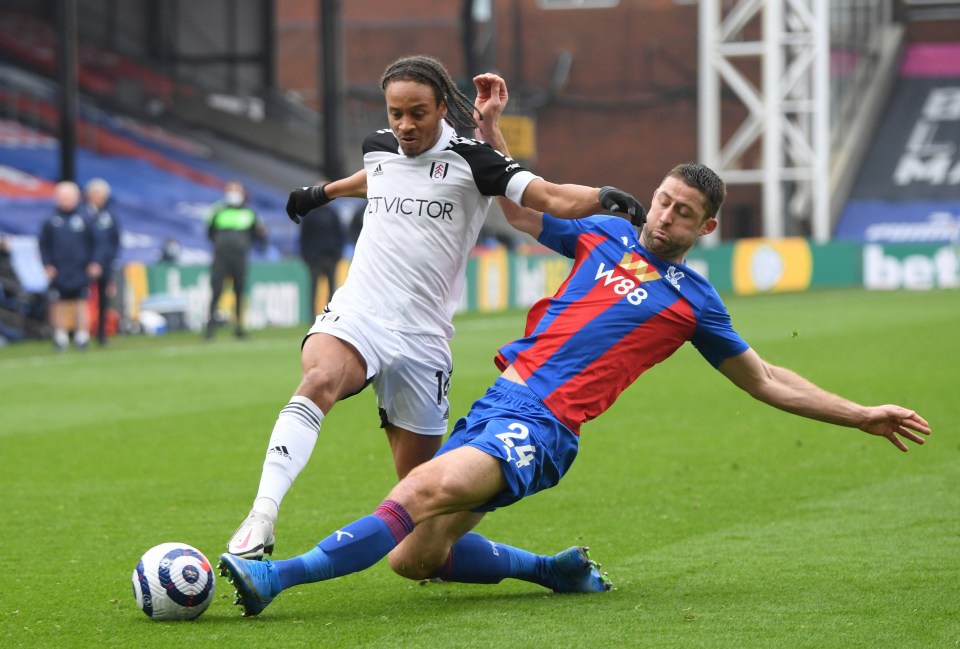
704,179
425,69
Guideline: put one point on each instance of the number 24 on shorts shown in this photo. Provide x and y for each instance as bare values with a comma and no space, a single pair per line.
525,453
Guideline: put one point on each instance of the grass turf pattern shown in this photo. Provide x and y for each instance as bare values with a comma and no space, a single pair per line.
722,522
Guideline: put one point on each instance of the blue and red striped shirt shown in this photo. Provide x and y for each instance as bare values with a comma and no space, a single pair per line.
620,311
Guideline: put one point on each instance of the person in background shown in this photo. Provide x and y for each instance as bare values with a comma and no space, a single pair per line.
170,253
12,306
106,231
10,285
233,227
322,238
354,227
68,251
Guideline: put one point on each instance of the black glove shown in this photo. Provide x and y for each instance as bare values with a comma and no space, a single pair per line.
303,200
617,200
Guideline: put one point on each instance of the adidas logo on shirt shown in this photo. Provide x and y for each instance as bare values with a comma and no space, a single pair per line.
378,171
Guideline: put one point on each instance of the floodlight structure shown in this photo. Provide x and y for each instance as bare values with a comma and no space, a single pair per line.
774,57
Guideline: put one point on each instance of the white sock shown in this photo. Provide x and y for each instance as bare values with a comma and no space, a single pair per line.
267,507
291,444
81,337
60,337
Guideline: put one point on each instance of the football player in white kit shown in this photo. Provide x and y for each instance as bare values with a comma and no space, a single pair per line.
428,190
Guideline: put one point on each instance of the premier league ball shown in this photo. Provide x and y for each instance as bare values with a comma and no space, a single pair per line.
173,581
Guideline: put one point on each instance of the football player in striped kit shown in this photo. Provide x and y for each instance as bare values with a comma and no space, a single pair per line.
428,190
628,303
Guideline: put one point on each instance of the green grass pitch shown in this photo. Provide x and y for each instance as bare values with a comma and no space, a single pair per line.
722,522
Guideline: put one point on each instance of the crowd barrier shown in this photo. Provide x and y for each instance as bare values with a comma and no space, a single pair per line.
499,280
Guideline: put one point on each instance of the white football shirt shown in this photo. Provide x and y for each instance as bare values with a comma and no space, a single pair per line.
422,220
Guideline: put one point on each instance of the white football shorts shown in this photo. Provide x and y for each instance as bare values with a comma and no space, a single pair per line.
410,373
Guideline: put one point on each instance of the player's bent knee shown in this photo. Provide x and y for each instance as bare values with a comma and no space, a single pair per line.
431,491
418,495
416,565
329,377
316,379
324,387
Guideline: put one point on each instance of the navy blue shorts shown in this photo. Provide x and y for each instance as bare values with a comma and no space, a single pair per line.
70,293
511,424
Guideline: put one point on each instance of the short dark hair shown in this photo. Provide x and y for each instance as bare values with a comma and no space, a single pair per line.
430,71
705,180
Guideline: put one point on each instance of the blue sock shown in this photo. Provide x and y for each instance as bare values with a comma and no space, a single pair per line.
355,547
476,560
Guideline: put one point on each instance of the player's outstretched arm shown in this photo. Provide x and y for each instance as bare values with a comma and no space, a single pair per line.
790,392
568,201
521,218
491,99
894,422
354,186
304,199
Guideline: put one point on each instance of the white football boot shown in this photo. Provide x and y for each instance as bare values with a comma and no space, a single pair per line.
253,538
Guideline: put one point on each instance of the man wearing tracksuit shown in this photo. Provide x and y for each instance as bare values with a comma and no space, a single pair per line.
68,251
233,226
106,231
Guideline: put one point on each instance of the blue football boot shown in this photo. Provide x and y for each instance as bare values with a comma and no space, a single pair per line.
575,572
257,582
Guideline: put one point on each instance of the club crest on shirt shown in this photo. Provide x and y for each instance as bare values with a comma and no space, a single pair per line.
438,171
674,276
77,224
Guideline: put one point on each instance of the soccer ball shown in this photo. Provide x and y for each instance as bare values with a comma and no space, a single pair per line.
173,581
